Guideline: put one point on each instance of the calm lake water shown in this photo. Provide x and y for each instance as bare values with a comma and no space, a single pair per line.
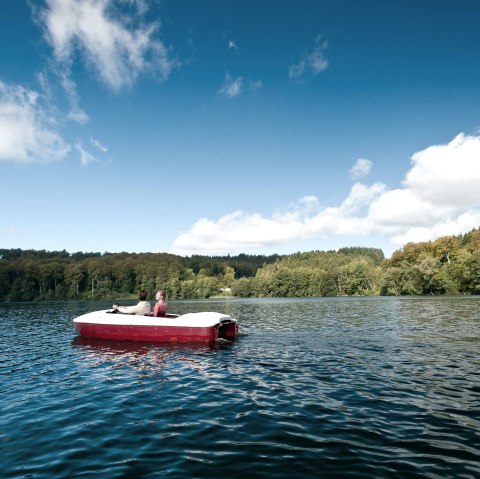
331,387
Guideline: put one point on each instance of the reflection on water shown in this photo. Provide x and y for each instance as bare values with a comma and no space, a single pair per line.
142,347
144,355
331,387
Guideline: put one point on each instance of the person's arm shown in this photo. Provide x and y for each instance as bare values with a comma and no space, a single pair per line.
127,309
137,309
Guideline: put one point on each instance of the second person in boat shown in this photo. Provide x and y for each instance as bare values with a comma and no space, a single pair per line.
160,308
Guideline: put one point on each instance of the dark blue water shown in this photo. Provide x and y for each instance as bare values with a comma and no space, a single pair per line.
369,387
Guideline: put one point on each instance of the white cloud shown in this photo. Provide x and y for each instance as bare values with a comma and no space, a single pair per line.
117,50
237,231
448,174
232,87
232,45
98,145
27,129
76,113
314,61
347,219
403,208
440,197
302,208
362,167
85,157
454,226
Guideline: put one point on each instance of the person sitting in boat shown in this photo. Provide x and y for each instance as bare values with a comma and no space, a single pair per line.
143,307
160,309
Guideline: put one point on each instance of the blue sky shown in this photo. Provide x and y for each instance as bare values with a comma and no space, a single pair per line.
221,127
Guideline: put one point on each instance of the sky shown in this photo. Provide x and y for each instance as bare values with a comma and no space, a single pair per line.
223,127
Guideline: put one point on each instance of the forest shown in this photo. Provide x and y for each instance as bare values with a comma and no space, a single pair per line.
449,265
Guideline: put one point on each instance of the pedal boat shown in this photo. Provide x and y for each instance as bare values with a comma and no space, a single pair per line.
189,327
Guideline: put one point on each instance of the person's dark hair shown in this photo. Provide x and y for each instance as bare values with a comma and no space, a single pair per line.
142,294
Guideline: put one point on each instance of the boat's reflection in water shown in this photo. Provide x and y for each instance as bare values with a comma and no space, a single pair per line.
144,355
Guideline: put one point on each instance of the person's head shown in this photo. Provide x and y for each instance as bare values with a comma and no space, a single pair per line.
142,295
161,295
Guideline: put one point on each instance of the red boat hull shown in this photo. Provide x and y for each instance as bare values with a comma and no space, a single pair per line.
147,333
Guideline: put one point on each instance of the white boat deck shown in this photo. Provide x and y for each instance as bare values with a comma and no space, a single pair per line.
193,320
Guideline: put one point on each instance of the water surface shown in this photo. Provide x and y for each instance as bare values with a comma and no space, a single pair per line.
330,387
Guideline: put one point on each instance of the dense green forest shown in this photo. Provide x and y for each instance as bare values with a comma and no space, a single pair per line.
448,265
29,275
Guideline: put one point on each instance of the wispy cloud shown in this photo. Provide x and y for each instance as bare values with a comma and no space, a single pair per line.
313,61
361,168
76,113
85,157
98,145
232,45
440,196
232,87
255,85
28,131
118,48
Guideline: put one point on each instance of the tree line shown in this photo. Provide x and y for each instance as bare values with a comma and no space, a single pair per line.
448,265
31,275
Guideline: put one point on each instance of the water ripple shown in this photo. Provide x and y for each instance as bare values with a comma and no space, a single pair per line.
368,387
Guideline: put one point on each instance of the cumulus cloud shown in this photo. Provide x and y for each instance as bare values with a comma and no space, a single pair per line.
28,131
440,196
232,87
312,61
362,167
448,174
401,207
237,231
114,46
303,219
449,226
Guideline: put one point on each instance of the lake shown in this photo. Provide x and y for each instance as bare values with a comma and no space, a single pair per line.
324,388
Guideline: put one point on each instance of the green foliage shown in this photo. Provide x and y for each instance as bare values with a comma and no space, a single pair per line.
41,275
359,277
375,254
243,288
448,265
318,273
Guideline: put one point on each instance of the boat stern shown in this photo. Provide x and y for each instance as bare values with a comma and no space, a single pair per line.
228,329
